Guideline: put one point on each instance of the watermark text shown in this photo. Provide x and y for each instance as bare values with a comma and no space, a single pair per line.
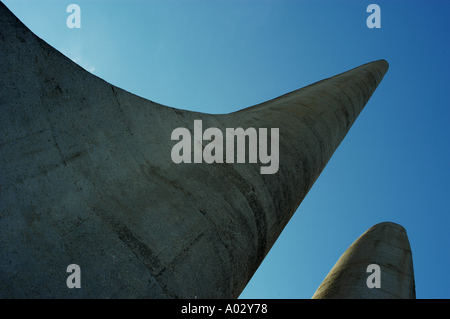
213,151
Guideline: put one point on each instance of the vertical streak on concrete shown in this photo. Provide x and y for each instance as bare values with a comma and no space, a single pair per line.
87,178
386,245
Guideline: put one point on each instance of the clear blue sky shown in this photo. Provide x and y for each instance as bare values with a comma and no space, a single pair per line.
221,56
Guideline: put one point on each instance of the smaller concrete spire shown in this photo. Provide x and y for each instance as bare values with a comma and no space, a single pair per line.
380,258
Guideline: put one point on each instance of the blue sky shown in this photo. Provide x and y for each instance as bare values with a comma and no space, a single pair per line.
222,56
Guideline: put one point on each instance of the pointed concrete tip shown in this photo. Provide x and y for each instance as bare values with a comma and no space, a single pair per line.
378,265
381,64
382,61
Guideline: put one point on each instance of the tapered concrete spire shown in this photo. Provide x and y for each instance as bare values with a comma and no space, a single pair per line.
87,178
378,265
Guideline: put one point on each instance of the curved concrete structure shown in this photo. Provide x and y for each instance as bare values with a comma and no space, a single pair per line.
385,245
87,179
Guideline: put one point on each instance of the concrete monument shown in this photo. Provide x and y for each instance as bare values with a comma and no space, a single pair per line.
378,265
87,179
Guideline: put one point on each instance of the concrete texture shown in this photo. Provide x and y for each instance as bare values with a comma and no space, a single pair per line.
385,244
87,178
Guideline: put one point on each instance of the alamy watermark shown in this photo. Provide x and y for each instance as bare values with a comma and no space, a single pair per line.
374,20
213,151
374,280
74,280
73,20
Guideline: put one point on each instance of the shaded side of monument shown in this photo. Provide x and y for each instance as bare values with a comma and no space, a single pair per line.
378,265
87,178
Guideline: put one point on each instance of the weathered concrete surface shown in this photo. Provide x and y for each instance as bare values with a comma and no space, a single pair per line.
87,178
385,244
